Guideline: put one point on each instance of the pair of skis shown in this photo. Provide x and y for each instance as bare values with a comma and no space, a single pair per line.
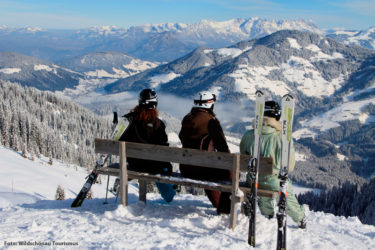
287,105
119,129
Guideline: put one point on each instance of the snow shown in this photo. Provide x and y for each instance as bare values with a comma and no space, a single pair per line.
140,65
162,78
10,70
296,70
341,157
101,73
293,43
43,67
249,79
233,52
303,133
31,218
309,80
173,139
345,112
321,56
300,157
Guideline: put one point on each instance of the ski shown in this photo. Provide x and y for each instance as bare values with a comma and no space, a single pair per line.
287,107
91,179
119,129
253,167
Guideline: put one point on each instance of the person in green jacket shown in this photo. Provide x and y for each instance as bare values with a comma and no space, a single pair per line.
271,147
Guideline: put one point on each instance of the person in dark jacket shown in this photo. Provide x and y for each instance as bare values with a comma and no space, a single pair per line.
202,130
145,127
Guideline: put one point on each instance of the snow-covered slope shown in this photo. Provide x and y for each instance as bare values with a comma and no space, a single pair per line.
107,65
304,63
364,38
30,217
34,72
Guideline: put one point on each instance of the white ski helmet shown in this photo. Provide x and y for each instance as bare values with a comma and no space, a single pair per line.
205,100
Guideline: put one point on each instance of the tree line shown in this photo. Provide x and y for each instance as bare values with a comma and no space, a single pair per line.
348,200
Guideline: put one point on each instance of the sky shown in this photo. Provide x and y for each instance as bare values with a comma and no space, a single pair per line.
73,14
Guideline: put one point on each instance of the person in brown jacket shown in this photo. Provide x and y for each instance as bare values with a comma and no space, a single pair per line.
145,127
202,130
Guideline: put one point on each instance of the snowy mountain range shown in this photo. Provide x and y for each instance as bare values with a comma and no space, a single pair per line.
156,42
85,70
332,82
364,38
34,72
304,63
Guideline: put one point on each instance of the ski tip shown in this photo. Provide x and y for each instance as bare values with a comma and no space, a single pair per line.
288,97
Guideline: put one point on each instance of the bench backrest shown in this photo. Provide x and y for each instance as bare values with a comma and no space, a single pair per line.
181,155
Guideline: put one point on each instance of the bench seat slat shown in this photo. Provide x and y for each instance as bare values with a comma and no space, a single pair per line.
179,180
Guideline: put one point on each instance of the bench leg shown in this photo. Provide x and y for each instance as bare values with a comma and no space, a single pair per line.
235,184
142,190
233,214
123,175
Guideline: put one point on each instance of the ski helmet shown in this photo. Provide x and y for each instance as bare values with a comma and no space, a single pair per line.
272,109
148,99
205,100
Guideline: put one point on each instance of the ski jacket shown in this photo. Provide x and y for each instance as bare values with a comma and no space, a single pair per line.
199,129
152,132
270,147
198,124
202,130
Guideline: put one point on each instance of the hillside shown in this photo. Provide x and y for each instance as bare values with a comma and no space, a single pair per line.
34,72
40,123
30,216
107,65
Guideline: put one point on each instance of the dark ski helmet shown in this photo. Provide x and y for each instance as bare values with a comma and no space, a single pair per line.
148,99
272,109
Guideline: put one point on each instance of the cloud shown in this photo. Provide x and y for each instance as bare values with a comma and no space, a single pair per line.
175,106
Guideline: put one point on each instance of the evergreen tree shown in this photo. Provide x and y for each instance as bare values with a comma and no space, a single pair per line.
24,151
60,193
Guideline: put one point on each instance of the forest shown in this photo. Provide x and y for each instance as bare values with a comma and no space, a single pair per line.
40,123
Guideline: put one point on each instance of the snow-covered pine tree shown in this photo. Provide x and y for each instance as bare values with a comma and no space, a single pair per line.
60,193
24,151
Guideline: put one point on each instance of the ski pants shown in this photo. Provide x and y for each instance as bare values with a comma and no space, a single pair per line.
166,191
267,205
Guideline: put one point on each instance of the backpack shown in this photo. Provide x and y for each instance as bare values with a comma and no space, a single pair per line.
207,144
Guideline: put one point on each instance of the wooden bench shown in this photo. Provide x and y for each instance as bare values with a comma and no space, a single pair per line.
228,161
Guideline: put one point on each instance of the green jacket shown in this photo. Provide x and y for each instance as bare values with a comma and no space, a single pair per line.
270,147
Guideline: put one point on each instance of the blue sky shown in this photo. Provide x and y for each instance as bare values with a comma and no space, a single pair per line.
73,14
